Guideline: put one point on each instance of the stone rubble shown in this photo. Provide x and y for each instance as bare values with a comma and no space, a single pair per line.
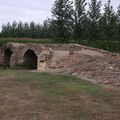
105,70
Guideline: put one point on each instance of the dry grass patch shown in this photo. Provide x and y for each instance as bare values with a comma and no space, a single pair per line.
40,96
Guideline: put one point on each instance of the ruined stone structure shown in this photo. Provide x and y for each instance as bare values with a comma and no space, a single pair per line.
14,55
87,63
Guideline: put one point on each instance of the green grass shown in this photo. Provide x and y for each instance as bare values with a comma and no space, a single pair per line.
56,84
25,40
60,97
113,46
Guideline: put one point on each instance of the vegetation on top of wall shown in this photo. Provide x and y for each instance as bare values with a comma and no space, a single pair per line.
25,40
113,46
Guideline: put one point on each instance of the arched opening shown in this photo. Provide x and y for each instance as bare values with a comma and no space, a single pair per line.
30,60
7,55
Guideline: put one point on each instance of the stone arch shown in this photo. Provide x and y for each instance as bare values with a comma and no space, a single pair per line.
7,55
30,59
37,50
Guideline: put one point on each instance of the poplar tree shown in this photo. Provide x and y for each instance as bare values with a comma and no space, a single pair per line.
109,19
19,29
80,16
13,29
118,23
62,16
94,14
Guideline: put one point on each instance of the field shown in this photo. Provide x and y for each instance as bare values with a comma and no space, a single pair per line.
113,46
29,95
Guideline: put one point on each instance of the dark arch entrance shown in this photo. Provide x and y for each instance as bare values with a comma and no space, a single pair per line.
7,55
30,60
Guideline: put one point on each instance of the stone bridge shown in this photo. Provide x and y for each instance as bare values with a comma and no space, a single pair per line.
85,62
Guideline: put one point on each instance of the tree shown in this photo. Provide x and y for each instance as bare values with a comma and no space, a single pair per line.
94,14
26,30
39,31
80,16
32,30
13,29
3,31
118,23
46,29
109,20
19,29
62,16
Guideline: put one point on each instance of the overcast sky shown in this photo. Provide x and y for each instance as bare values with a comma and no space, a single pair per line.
30,10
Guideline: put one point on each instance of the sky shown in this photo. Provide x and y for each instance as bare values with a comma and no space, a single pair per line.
30,10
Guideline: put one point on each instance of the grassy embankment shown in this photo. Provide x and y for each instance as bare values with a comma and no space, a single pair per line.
113,46
25,40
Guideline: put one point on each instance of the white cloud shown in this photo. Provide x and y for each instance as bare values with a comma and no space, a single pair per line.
29,10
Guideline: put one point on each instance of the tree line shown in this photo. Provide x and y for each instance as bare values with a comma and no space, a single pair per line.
26,30
72,21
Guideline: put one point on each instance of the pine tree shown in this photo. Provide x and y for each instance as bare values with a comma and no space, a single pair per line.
62,16
80,16
94,14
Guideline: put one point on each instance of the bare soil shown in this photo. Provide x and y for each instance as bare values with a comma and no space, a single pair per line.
99,67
